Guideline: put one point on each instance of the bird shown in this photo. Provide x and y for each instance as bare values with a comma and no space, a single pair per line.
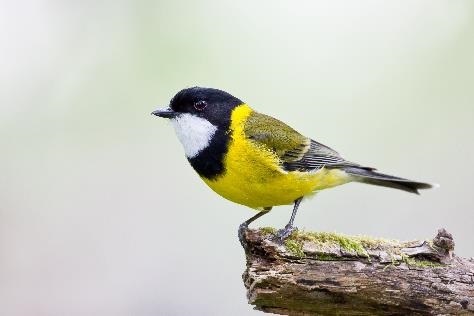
258,161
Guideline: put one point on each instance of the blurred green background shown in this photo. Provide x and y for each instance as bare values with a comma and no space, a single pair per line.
100,212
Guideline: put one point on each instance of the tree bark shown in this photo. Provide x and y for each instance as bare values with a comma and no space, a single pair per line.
330,274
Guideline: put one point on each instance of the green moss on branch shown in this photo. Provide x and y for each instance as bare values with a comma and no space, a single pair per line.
330,246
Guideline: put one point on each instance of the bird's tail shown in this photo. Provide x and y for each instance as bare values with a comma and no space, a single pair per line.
369,176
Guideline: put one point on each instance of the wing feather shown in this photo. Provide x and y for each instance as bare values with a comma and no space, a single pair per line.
295,151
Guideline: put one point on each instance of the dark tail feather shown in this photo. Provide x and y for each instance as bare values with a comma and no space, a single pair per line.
369,176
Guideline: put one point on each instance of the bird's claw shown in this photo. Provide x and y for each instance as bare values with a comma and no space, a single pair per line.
241,233
284,233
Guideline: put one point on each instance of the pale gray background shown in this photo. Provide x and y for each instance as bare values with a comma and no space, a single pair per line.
100,213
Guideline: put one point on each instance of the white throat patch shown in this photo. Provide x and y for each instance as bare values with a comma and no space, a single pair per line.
193,132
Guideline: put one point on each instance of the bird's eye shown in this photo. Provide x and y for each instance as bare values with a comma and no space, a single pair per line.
200,105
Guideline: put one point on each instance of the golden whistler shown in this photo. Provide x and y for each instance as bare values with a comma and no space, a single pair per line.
256,160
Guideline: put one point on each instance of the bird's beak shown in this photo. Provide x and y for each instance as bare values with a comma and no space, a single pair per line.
165,112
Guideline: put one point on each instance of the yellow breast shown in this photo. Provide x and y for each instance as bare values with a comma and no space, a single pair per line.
253,176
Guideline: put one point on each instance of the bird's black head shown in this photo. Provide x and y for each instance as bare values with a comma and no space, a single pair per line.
201,118
211,104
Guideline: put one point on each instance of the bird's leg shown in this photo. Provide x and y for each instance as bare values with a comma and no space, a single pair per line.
282,234
243,227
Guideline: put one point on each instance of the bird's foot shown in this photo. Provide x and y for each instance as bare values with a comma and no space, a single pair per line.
241,233
245,225
284,233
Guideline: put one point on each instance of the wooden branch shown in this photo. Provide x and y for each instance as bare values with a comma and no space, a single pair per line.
331,274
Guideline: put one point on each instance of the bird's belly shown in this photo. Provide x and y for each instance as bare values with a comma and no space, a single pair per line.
253,177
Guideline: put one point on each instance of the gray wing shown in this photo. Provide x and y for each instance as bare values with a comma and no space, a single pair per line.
316,157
